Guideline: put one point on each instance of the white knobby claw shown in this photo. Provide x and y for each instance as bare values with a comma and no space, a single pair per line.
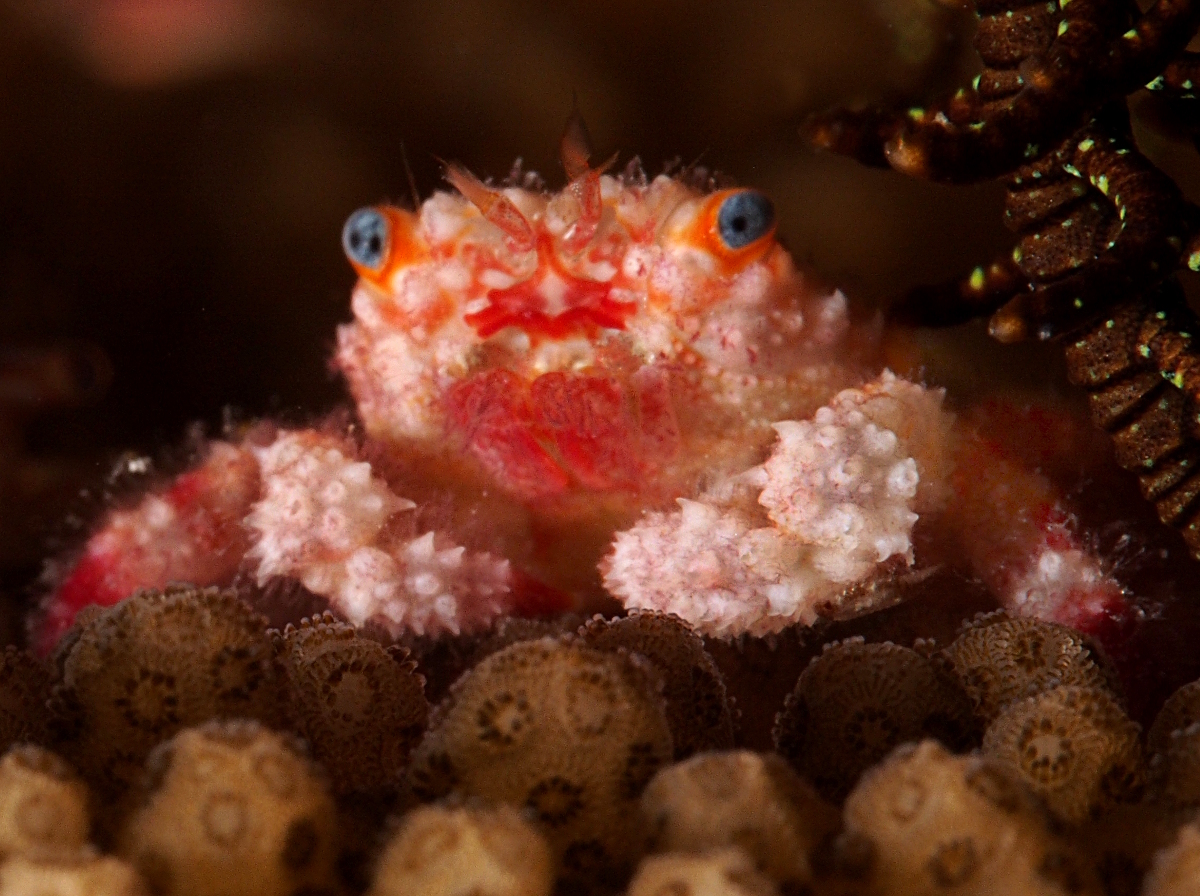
837,497
321,520
318,507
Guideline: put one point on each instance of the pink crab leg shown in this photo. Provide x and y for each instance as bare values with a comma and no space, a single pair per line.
494,206
191,532
1019,535
212,522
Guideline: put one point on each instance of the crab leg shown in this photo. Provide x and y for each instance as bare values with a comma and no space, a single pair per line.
189,532
1017,530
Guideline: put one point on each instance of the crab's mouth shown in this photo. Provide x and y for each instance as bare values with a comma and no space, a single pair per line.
552,304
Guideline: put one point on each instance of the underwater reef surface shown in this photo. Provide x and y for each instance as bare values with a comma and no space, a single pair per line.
173,201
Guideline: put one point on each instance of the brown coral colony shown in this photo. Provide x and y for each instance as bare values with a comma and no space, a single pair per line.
553,763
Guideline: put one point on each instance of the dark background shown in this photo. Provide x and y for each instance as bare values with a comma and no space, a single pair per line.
174,175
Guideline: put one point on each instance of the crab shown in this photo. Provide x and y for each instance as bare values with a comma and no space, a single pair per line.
625,389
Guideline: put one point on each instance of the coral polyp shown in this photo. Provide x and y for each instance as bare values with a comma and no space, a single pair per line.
722,800
937,821
360,706
460,852
1073,746
856,702
999,659
232,808
135,674
569,733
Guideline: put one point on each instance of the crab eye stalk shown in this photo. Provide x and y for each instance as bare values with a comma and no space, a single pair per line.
366,239
745,217
732,229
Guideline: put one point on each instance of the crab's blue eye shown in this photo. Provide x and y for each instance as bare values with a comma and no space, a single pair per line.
365,238
745,217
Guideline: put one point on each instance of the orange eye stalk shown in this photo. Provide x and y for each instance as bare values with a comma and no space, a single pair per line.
736,226
379,239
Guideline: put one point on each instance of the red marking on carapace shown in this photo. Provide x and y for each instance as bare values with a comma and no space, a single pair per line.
656,411
539,439
591,426
491,412
588,305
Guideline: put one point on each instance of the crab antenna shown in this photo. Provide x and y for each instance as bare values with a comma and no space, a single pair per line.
494,206
575,146
583,181
412,181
